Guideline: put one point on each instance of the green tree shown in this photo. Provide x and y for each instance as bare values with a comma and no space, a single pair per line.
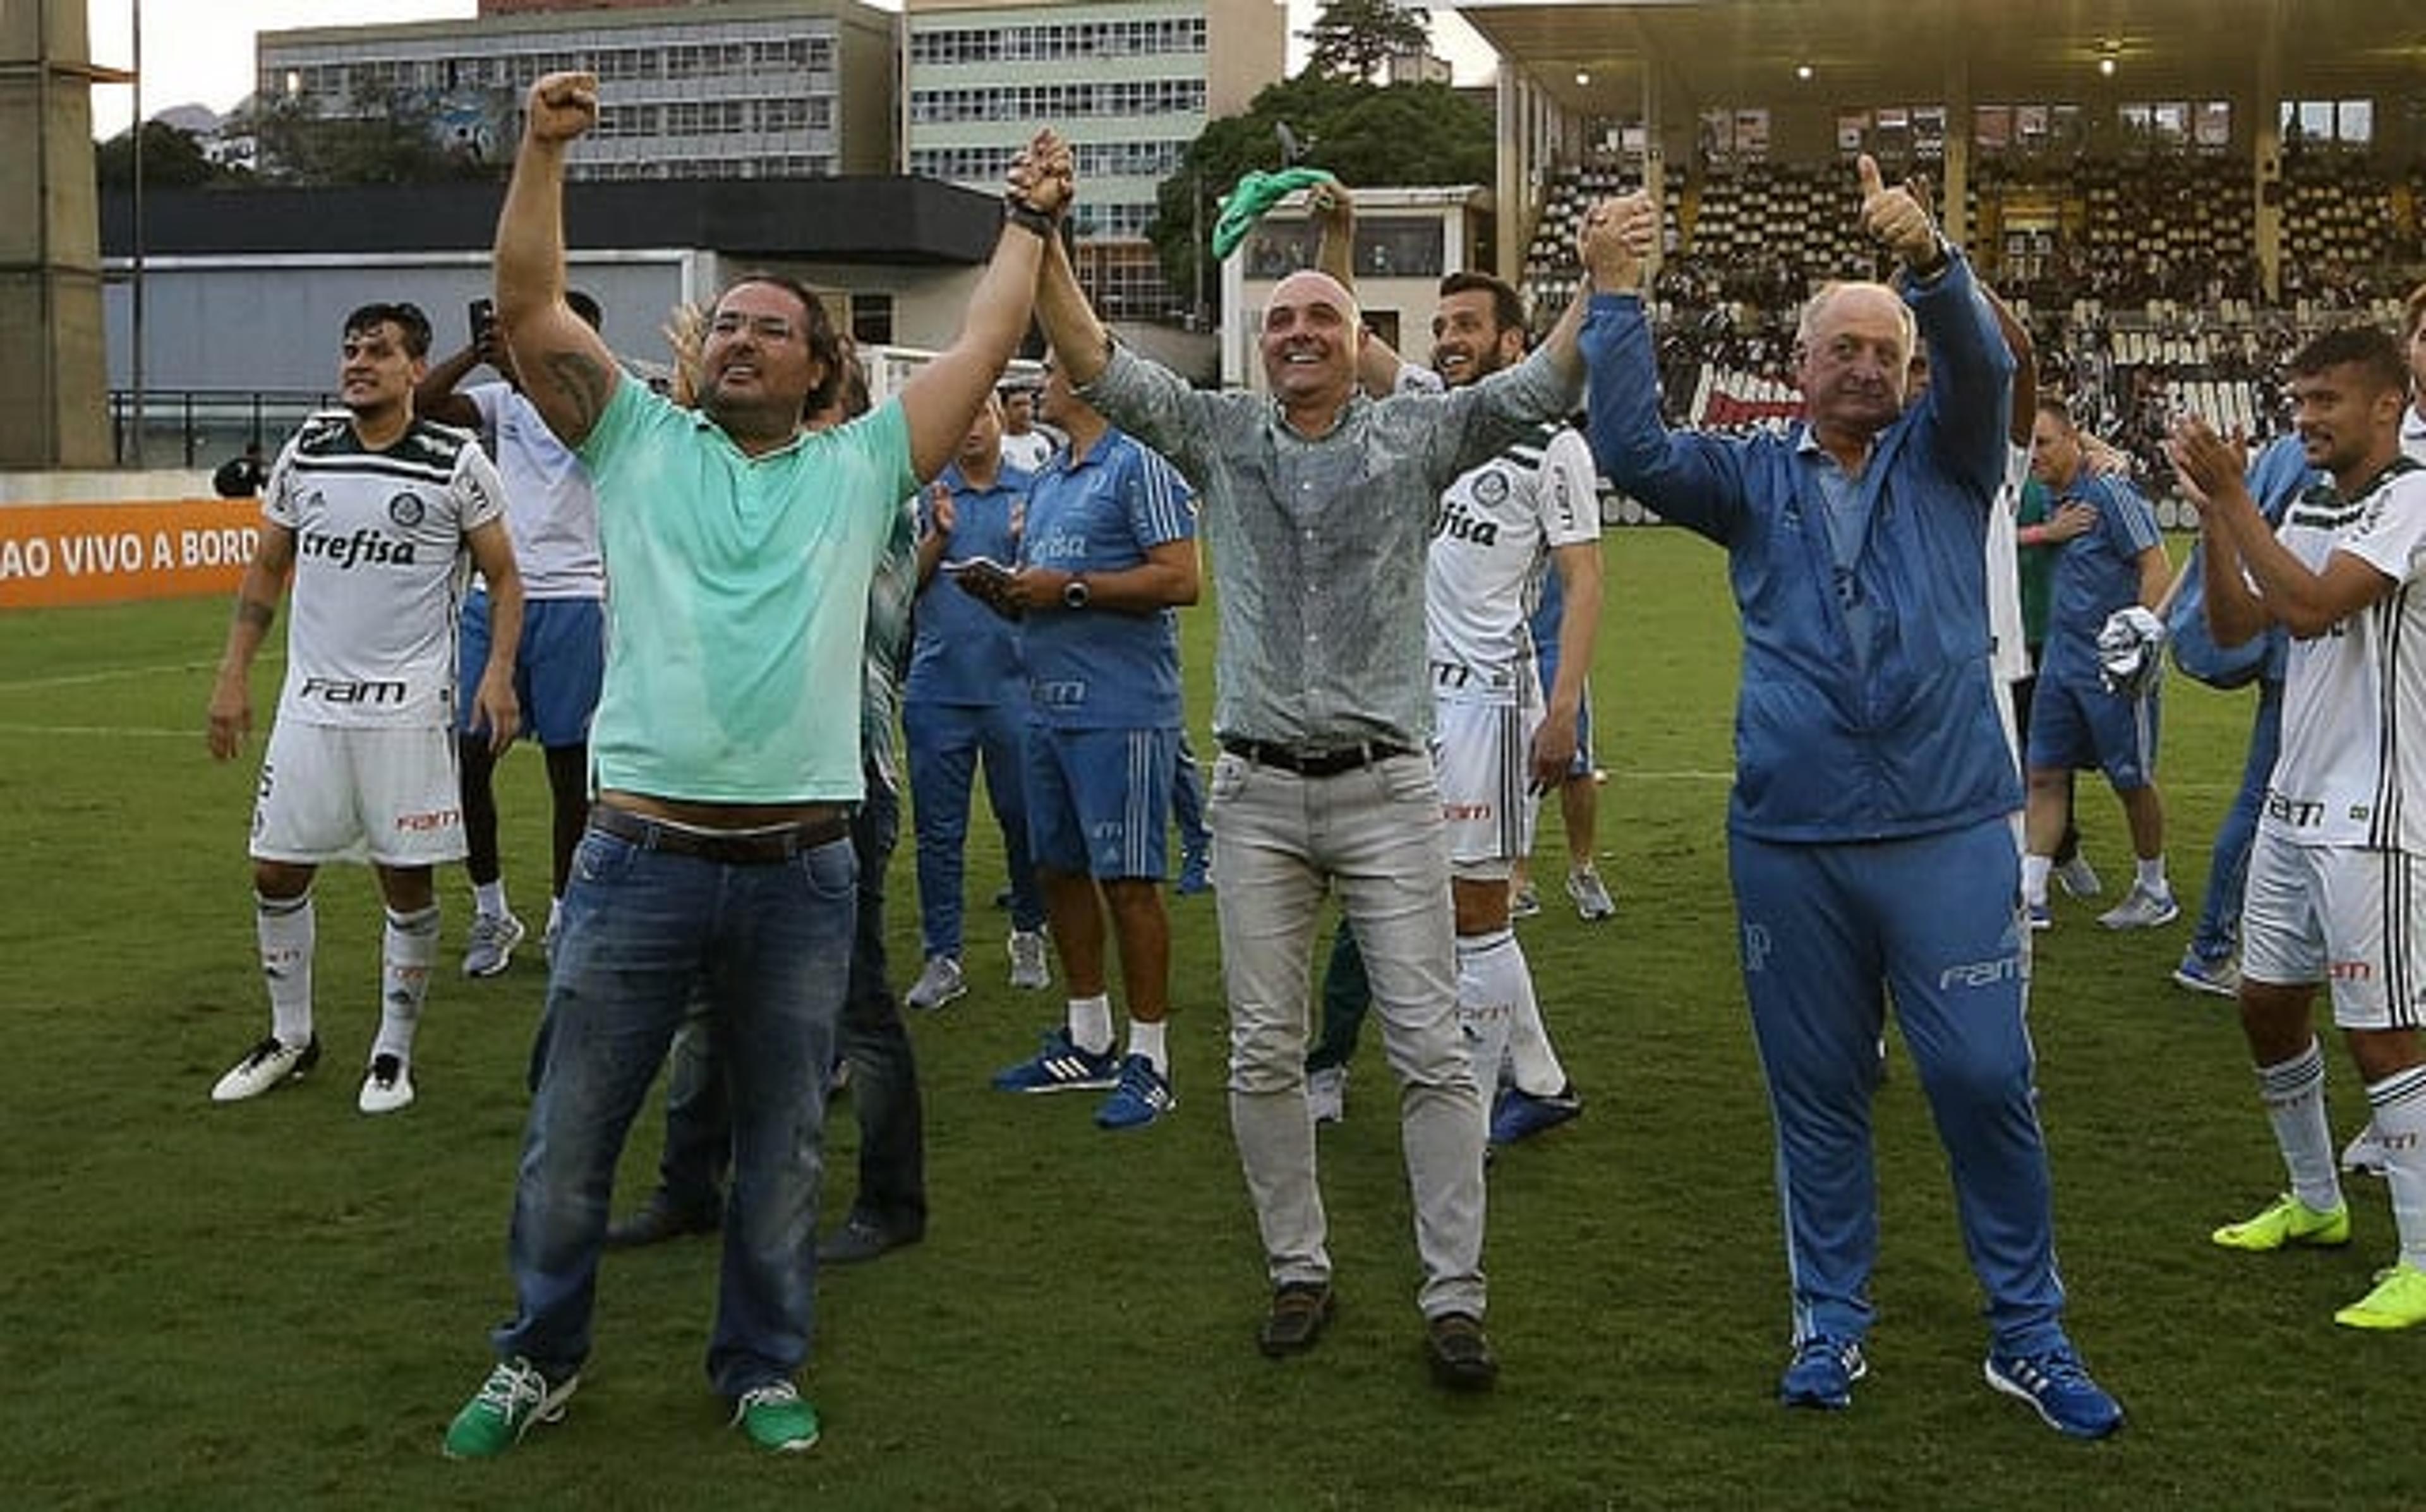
1367,135
1353,39
172,159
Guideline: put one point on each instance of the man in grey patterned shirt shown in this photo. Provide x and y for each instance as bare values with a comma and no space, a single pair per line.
1319,504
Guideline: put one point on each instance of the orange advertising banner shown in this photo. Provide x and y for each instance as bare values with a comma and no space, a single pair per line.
55,553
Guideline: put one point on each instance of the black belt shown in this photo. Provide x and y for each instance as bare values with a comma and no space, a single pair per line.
769,847
1312,762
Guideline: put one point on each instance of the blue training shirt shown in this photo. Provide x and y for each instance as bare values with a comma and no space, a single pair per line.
1097,668
2096,573
966,654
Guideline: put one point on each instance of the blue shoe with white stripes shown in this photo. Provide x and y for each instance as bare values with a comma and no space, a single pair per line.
1142,1096
1060,1065
1823,1373
2057,1386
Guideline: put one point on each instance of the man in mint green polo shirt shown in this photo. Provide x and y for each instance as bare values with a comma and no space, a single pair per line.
726,760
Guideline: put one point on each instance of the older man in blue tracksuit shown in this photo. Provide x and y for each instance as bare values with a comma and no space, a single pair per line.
1870,837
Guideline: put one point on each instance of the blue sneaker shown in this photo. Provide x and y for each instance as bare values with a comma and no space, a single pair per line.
1195,872
1142,1096
2042,916
1520,1115
1060,1066
1823,1373
2057,1386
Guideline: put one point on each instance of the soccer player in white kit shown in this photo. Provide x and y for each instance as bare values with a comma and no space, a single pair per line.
2336,891
372,511
1499,739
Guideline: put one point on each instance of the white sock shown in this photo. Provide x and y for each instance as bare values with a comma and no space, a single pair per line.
288,930
554,913
1150,1041
2399,1104
489,898
1091,1024
2294,1094
1501,969
407,952
1486,1001
2034,877
2150,872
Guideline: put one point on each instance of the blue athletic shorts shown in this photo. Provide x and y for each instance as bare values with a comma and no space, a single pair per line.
558,667
1099,801
2075,726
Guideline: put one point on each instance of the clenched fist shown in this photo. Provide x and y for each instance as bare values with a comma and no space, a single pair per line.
561,107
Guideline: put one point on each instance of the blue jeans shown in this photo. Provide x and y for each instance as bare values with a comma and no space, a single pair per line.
947,741
2227,867
641,930
884,1071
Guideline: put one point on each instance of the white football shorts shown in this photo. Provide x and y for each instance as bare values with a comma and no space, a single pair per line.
2354,920
1481,750
335,793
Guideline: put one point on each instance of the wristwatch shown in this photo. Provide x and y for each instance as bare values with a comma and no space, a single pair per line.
1073,594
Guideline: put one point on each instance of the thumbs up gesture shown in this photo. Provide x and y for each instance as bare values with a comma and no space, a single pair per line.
1897,221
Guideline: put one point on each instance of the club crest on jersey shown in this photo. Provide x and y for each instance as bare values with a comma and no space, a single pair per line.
407,510
1458,522
1491,487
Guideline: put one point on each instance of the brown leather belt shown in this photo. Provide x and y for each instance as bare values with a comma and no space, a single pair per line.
769,847
1312,762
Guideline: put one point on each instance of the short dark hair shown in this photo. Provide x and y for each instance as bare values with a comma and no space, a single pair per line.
403,314
2060,407
1507,305
585,306
825,343
2368,349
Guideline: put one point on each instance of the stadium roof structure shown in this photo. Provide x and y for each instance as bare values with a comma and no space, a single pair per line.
1594,57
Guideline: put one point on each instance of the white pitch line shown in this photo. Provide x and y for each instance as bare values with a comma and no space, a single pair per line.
107,732
113,675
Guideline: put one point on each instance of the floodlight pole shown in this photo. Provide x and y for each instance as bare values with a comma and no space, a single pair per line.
135,448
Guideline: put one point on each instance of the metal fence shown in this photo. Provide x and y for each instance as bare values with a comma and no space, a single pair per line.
203,427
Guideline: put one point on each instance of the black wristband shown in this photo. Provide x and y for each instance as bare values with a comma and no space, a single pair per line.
1019,213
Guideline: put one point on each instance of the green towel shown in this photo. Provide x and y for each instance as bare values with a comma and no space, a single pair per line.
1256,193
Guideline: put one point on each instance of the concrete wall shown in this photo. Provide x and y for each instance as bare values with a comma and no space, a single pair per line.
50,251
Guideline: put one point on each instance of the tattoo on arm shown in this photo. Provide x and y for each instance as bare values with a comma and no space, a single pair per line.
582,381
254,612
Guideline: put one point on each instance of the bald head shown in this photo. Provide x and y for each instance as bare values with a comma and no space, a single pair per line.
1311,335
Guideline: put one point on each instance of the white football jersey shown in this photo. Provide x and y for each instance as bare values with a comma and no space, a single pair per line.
2352,770
1492,541
550,511
380,568
2008,653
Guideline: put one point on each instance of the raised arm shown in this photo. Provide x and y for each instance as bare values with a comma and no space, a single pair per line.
943,398
1334,210
2238,541
568,373
1078,340
435,395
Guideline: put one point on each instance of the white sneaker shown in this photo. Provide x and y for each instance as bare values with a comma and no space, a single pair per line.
1326,1094
2363,1155
2078,879
490,948
267,1065
937,985
1027,969
2141,909
1591,895
386,1086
